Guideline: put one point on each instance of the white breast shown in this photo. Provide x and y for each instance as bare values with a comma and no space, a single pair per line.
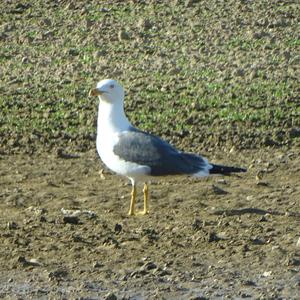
105,145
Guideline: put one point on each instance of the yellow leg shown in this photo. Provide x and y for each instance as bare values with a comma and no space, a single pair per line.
146,199
132,201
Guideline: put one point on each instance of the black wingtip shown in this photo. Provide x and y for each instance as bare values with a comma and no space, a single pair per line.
219,169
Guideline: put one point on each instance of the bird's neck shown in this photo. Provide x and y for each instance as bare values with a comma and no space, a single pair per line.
111,117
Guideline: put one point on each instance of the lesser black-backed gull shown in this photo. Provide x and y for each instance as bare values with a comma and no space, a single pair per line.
139,155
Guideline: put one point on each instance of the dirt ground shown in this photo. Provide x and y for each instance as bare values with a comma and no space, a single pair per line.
65,233
204,75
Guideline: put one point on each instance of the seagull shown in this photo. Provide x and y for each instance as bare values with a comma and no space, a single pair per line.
137,154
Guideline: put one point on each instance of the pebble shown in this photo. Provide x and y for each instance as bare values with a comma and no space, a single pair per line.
104,9
262,183
97,264
250,198
239,72
145,24
221,181
267,273
197,224
189,3
71,220
263,219
212,237
294,132
298,243
12,225
118,228
218,190
148,266
110,296
123,35
88,23
57,274
73,52
25,60
3,36
99,53
46,22
248,283
29,262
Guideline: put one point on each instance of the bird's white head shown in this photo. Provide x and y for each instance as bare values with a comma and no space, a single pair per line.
109,90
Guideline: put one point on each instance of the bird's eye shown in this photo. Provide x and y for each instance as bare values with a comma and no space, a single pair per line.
112,86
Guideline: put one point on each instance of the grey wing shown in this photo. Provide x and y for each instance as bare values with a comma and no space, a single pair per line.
163,159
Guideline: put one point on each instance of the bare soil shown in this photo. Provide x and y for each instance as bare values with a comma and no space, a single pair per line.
218,77
65,233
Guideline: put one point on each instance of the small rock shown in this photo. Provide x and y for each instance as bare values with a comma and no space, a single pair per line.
291,261
221,180
257,241
25,60
258,35
263,219
199,298
65,81
245,295
148,266
97,264
47,34
43,219
110,296
189,3
248,283
63,154
88,23
268,141
101,173
145,24
196,106
162,273
259,175
77,238
123,35
12,225
294,132
118,228
57,274
22,6
262,183
31,262
197,224
212,237
36,210
232,149
104,9
239,72
253,74
218,190
73,52
71,220
298,243
287,55
222,235
267,274
47,22
99,53
3,36
245,248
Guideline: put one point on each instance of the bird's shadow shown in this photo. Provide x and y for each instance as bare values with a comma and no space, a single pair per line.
252,210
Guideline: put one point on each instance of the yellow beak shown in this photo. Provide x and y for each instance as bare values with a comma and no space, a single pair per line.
95,92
